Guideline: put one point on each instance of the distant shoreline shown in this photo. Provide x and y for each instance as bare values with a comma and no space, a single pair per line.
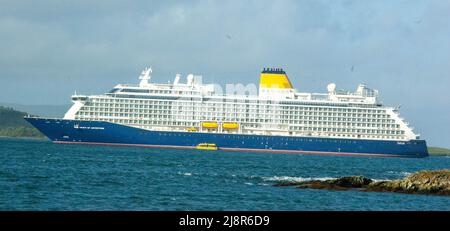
24,137
436,151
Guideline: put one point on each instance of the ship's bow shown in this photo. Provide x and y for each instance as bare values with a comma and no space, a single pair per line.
48,127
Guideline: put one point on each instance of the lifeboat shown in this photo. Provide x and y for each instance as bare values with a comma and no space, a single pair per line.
230,125
210,125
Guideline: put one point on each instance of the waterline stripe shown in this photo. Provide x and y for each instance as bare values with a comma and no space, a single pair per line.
231,149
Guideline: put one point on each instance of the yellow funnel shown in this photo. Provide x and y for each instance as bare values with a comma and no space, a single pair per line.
274,78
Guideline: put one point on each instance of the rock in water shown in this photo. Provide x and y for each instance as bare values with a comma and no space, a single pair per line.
423,182
343,183
351,182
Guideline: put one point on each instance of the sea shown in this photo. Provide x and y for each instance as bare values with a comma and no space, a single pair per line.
37,175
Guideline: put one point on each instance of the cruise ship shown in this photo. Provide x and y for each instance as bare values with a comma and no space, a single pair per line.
277,118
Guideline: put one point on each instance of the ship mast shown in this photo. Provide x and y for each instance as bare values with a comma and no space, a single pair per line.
145,77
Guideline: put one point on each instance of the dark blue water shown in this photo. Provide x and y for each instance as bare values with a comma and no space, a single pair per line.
39,175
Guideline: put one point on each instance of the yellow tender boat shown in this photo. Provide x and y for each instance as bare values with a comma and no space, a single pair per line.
206,146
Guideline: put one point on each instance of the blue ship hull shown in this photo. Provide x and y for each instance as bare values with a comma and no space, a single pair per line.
105,133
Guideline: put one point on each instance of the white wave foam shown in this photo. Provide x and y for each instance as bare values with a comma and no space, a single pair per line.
405,173
294,179
402,174
304,179
185,173
378,180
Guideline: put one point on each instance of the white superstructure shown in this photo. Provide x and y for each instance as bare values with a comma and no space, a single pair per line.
278,109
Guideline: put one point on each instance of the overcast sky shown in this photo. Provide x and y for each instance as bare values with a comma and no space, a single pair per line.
49,49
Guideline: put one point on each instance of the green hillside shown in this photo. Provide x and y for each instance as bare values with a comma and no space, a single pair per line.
12,124
438,151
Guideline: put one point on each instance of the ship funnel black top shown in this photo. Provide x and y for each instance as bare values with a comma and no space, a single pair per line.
273,71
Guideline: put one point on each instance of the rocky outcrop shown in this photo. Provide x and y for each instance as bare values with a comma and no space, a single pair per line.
423,182
342,183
